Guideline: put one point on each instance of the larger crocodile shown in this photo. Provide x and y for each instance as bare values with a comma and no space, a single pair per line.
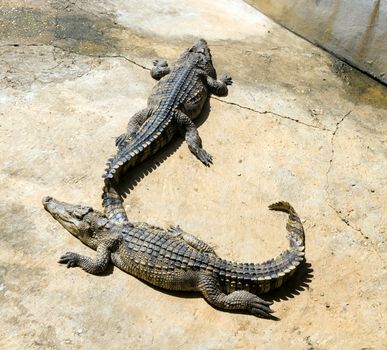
176,260
175,101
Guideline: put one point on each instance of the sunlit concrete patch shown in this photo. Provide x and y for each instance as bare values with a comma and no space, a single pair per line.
218,20
296,126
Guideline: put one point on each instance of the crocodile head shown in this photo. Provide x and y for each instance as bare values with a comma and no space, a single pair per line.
200,54
81,221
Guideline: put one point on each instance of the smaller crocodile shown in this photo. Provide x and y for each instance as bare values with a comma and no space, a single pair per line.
175,101
176,260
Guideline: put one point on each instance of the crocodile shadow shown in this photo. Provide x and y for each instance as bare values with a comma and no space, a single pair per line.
298,282
130,179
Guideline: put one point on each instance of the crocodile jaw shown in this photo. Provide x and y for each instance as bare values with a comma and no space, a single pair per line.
71,217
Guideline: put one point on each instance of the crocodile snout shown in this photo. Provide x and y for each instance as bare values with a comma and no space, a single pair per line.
46,200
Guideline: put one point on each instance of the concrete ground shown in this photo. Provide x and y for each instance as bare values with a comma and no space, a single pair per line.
297,126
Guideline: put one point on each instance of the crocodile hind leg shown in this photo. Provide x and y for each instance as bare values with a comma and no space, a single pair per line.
133,125
238,300
189,130
160,68
193,241
97,266
219,87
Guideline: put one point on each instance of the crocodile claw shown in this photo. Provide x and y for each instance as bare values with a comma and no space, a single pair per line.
71,259
160,63
120,140
226,79
260,307
204,157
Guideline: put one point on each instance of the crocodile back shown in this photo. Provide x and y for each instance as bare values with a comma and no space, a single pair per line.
157,256
181,90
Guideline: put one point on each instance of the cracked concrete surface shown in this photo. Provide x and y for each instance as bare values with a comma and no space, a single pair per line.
298,125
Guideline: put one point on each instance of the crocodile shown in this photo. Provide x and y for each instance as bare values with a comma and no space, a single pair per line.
176,260
175,101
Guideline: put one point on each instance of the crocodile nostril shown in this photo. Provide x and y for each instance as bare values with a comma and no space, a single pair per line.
46,200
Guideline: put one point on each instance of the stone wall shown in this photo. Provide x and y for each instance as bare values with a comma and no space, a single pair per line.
354,30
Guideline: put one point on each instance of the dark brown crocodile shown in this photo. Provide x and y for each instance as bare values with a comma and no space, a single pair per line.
175,101
176,260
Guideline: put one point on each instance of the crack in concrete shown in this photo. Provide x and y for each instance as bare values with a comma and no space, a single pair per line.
223,101
20,45
348,223
333,147
123,57
272,113
214,97
337,211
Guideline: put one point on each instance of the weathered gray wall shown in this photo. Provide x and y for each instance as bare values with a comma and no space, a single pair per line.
355,30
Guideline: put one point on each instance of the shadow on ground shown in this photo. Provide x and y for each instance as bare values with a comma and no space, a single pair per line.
133,176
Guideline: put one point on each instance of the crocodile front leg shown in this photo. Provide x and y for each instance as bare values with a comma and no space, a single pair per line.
238,300
193,241
97,266
160,69
133,125
219,87
188,128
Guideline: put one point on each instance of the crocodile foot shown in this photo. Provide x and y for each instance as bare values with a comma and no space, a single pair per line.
259,307
71,259
226,79
203,156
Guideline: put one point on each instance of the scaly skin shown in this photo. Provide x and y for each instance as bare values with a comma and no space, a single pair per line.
176,260
175,101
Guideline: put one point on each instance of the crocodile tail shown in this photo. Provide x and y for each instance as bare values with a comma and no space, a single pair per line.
119,163
147,142
294,225
113,204
271,274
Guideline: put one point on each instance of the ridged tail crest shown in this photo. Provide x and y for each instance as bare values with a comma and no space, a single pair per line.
271,274
146,142
113,205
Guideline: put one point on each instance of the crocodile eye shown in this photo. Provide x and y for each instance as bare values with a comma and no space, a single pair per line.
80,212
